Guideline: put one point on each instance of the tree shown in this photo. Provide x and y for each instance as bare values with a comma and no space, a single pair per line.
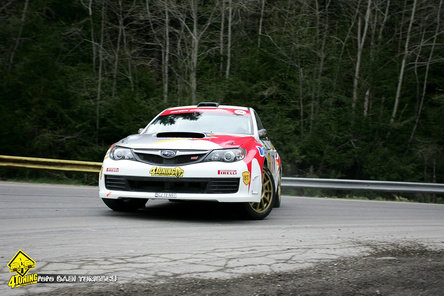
403,63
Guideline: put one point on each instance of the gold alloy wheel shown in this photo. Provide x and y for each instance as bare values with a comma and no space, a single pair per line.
267,196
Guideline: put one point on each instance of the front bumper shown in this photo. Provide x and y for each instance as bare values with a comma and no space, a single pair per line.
210,181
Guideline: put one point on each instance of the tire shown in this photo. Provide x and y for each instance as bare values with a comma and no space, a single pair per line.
125,205
261,209
277,199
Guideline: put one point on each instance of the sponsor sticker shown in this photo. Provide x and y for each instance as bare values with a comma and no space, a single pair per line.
261,150
246,177
22,263
227,172
240,112
112,170
167,172
165,195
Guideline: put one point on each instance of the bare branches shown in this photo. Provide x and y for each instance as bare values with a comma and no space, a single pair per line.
19,36
6,5
426,75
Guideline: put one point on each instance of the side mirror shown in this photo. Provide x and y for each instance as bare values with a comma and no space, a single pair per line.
140,130
263,135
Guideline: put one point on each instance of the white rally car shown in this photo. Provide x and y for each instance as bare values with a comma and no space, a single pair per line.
206,152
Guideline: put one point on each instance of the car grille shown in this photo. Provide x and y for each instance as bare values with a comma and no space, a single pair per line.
179,185
182,159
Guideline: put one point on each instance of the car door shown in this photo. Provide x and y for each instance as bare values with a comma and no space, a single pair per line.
271,155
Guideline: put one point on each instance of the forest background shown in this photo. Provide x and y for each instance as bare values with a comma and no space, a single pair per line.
346,89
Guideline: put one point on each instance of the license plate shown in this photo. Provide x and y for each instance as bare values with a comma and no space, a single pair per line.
165,195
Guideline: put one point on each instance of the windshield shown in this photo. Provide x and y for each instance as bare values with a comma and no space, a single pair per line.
204,122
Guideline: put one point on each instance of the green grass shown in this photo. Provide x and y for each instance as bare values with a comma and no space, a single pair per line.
46,180
49,177
364,195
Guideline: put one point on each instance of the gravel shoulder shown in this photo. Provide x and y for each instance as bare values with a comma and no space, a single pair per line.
412,270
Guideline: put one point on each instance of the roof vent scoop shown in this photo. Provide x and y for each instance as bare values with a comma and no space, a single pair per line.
208,104
180,135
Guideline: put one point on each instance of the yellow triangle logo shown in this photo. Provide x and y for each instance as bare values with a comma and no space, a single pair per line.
21,263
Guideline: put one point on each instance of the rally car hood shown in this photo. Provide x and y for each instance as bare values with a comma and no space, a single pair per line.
203,142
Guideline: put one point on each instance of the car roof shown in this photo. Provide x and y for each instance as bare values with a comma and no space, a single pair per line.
207,107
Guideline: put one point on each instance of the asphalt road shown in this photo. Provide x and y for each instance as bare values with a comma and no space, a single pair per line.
68,230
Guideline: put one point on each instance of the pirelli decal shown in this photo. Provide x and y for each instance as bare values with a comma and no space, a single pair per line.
227,172
167,172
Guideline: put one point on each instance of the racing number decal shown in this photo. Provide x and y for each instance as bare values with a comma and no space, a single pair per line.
272,162
269,152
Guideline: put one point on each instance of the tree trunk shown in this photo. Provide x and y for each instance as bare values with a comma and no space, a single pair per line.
164,45
344,43
301,99
194,52
366,102
384,21
116,55
19,36
370,81
322,55
221,37
313,88
230,16
260,24
403,63
429,61
93,39
99,79
166,55
415,69
402,25
361,41
129,59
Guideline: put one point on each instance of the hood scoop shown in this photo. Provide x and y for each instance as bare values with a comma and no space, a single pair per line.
180,135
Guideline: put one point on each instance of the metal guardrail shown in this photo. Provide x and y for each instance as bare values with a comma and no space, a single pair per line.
94,167
363,185
50,164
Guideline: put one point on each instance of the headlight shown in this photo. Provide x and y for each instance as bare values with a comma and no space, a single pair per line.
120,153
226,155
